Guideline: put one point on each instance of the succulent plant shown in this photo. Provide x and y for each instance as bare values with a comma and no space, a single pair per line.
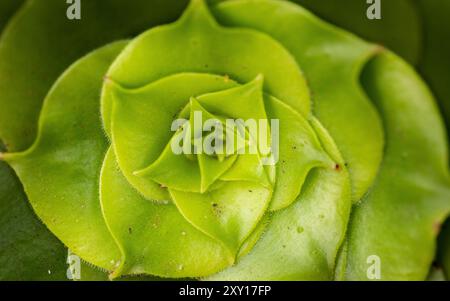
361,172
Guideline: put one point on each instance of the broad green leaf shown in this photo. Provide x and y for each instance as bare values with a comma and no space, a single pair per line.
417,30
60,172
399,29
300,152
228,214
248,168
400,218
243,102
154,238
40,43
196,43
28,250
301,242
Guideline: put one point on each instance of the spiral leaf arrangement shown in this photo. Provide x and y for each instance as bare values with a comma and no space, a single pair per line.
362,168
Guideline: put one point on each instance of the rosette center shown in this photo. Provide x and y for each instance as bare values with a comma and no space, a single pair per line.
217,137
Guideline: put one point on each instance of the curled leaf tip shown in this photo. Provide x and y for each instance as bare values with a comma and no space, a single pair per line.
198,13
379,49
192,100
259,78
108,82
112,276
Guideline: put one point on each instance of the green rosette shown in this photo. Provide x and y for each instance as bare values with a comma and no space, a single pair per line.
355,168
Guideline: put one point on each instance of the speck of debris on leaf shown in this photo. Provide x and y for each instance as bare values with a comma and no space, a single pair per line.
437,227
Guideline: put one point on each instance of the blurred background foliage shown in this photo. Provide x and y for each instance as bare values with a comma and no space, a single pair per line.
7,9
417,30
